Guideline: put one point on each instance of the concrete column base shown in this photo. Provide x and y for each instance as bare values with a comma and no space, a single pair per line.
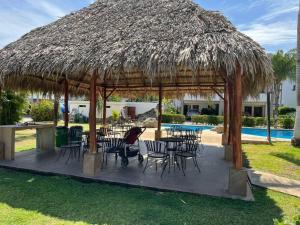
2,151
224,139
91,163
158,135
238,182
228,153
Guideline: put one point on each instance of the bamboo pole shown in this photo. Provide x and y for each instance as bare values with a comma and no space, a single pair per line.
237,145
66,113
92,117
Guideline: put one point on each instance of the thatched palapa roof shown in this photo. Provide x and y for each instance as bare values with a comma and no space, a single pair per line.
135,45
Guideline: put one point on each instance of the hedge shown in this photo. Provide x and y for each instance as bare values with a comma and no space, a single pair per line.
284,110
248,121
42,111
207,119
173,118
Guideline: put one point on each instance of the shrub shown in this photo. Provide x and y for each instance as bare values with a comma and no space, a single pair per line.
221,119
173,118
284,110
260,121
79,118
288,123
199,119
12,108
115,115
248,121
42,111
213,120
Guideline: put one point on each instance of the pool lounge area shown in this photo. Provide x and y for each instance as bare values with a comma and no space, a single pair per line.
261,132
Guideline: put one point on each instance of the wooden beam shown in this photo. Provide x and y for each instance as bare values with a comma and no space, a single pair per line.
92,117
104,107
218,93
112,91
237,145
66,113
160,97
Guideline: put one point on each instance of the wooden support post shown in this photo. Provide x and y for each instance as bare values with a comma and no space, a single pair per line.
66,113
231,111
237,145
92,117
225,135
104,122
159,119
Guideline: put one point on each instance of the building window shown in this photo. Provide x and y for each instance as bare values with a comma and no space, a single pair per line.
258,111
248,111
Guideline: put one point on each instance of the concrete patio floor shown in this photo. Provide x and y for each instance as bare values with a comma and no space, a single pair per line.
213,179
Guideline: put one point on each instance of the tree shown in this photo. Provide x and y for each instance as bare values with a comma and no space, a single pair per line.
12,107
284,66
296,139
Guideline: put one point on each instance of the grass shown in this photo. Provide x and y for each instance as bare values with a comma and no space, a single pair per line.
280,158
26,139
33,199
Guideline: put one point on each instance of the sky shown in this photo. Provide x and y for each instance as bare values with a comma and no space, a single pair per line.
272,23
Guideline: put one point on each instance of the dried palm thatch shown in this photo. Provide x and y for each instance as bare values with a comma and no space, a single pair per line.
135,45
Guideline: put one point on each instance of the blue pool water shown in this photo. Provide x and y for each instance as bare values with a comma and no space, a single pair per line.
188,127
262,132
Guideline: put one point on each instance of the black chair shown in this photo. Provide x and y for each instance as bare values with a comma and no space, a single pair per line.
112,146
74,143
188,150
157,151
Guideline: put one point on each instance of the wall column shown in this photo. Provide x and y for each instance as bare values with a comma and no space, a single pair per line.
66,113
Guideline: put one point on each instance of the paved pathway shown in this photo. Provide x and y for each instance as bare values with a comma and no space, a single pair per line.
276,183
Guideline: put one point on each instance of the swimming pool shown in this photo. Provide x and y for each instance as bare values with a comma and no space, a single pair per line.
188,127
262,132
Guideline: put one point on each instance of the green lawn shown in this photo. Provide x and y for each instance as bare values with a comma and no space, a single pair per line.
280,158
33,199
25,139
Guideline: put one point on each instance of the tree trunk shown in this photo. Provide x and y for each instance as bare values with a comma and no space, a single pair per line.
56,108
296,139
277,90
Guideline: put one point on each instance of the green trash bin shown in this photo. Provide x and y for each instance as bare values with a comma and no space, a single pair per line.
61,136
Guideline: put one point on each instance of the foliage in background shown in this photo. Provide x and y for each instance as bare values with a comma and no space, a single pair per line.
169,107
284,66
114,98
42,111
207,119
284,110
115,115
288,122
248,121
79,118
13,107
173,118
